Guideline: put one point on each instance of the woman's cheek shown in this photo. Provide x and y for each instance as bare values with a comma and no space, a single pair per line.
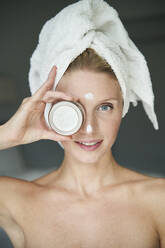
111,127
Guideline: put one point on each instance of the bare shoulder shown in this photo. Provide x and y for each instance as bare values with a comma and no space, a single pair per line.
11,191
149,192
153,195
149,185
139,180
11,184
144,187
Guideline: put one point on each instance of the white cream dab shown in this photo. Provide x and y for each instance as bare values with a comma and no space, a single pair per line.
89,129
89,96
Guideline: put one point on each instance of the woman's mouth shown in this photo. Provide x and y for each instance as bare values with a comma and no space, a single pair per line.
89,147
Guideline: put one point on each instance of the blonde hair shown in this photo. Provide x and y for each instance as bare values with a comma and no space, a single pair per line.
90,60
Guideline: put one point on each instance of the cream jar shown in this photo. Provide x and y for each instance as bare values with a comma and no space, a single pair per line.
66,117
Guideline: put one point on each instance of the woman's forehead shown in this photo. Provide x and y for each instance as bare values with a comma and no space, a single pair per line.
89,84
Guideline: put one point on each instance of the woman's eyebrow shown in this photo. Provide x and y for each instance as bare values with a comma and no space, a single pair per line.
112,99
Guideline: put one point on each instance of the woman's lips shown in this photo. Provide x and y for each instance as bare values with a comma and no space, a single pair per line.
89,148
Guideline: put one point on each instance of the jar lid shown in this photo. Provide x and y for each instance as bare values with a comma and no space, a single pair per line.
65,117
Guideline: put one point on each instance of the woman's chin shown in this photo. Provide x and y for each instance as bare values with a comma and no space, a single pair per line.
87,160
87,157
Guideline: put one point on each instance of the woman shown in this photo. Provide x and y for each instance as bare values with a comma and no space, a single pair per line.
91,200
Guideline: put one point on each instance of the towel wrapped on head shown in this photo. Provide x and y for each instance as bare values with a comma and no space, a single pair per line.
92,24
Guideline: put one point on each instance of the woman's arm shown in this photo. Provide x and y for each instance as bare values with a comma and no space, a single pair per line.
5,141
28,125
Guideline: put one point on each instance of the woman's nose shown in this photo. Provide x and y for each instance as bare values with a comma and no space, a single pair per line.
89,129
89,124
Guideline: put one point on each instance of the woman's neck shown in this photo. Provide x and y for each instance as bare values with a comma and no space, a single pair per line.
88,178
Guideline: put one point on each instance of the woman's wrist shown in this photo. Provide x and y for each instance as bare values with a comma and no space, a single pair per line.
6,141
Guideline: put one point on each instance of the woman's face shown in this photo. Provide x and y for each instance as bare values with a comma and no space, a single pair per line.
101,98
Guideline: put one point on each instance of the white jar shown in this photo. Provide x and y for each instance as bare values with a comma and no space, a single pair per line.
66,117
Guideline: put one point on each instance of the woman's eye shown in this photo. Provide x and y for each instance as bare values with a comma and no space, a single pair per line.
106,107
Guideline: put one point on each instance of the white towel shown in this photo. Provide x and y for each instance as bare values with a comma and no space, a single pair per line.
95,24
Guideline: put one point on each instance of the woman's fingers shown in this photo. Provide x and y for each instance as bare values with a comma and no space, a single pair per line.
52,96
45,94
47,85
52,135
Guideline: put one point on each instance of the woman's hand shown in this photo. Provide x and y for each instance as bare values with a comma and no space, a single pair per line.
28,124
